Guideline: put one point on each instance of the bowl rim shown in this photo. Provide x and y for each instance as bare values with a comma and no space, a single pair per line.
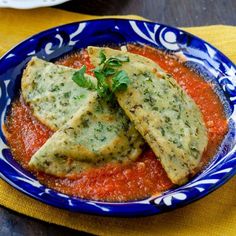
115,210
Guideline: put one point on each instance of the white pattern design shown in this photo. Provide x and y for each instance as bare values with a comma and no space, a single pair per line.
81,27
150,37
168,39
163,37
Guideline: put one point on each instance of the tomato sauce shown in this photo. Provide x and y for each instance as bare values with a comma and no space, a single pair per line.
202,93
115,182
25,134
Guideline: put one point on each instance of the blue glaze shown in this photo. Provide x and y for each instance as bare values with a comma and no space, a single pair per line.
56,42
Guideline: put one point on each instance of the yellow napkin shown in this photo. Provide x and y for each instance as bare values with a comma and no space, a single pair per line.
212,215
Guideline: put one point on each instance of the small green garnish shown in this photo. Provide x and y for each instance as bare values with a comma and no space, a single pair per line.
120,81
113,62
122,58
102,86
79,78
107,68
109,71
102,57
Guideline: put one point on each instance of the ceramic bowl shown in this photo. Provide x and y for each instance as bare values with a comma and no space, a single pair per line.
54,43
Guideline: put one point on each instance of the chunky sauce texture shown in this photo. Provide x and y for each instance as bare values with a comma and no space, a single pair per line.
137,180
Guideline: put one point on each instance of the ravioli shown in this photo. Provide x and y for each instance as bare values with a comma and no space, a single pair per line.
97,134
163,113
51,93
92,134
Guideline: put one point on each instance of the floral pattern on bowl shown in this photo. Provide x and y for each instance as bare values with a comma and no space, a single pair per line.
56,42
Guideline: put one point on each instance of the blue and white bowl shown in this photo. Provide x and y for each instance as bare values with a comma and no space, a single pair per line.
54,43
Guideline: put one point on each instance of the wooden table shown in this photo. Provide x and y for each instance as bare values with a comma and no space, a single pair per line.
173,12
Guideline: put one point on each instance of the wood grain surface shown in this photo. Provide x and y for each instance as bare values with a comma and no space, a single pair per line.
173,12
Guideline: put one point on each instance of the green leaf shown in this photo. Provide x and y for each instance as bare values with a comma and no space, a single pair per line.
113,61
104,92
122,58
79,78
120,81
103,87
109,71
102,57
100,76
97,69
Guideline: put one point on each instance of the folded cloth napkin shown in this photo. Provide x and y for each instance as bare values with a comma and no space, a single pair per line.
212,215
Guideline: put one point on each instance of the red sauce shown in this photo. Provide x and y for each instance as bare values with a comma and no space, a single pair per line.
201,92
77,60
140,179
25,134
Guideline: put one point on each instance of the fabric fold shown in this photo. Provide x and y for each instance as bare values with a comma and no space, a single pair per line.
214,214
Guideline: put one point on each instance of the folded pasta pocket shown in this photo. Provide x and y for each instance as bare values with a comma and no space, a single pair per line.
167,118
95,135
92,134
51,93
